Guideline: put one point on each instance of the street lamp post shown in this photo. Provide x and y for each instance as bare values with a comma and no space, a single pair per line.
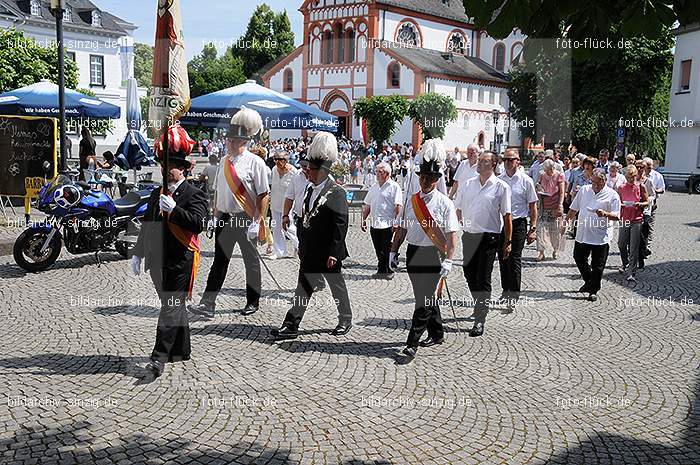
57,8
495,115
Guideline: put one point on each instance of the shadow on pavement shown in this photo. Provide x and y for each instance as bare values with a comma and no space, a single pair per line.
67,364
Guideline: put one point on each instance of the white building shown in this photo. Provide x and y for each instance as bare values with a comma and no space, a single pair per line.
100,43
360,48
683,143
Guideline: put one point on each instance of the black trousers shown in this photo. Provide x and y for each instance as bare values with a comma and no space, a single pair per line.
479,254
423,266
232,230
307,282
381,238
511,268
645,239
592,273
173,332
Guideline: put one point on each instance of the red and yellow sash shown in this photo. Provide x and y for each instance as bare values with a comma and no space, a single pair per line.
189,240
242,195
431,229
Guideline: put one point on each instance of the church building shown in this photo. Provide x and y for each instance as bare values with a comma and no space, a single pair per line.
360,48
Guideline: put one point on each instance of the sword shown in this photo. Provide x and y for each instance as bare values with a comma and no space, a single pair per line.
449,296
266,267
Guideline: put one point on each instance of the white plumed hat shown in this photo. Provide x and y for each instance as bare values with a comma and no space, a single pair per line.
245,124
433,155
323,150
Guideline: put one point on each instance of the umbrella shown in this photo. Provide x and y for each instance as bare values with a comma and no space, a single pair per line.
277,110
134,152
133,105
41,99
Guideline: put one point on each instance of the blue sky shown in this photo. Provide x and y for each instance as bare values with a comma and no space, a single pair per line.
221,21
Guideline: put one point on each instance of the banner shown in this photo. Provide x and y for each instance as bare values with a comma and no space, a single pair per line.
26,142
170,96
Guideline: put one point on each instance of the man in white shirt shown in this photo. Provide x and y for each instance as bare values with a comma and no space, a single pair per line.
484,210
282,175
242,195
294,203
523,203
534,171
598,207
382,207
467,169
430,227
657,180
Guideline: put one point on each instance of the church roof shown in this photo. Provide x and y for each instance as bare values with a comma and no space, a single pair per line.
436,62
447,9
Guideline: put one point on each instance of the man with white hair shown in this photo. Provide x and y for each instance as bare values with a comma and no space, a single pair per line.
242,189
430,227
322,248
484,210
467,169
382,207
598,207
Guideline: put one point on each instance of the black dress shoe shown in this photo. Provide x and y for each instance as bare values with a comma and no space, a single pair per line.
584,289
341,329
249,309
431,341
592,297
285,332
203,308
194,317
156,367
389,276
410,352
377,276
477,330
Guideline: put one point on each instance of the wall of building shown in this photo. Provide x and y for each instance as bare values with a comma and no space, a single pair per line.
433,35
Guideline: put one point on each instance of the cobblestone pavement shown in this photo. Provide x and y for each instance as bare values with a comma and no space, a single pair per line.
559,381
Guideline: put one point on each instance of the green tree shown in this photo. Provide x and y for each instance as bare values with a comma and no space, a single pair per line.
268,36
433,112
23,62
143,64
382,113
209,73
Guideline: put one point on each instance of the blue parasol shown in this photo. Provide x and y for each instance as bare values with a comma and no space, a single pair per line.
277,110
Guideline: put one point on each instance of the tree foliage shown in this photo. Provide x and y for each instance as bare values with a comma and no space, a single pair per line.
269,36
433,112
143,64
382,113
24,62
209,72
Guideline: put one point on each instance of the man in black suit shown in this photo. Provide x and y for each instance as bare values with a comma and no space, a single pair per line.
171,252
322,248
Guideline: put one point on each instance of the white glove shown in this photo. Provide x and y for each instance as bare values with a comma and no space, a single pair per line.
392,259
253,230
211,224
136,265
166,203
445,268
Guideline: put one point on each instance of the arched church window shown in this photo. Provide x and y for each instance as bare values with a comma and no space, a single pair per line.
457,44
407,35
499,56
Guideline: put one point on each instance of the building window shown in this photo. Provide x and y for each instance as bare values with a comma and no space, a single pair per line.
393,78
407,35
35,8
68,14
686,66
71,56
458,93
470,95
288,80
466,121
499,57
97,70
350,34
96,19
457,44
328,44
340,40
481,95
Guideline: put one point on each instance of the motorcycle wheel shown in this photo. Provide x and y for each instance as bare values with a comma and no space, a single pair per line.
26,250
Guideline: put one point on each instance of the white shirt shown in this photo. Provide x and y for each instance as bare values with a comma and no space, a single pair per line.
316,191
252,171
279,189
172,187
382,203
617,181
522,193
297,191
483,207
465,171
658,180
592,229
441,209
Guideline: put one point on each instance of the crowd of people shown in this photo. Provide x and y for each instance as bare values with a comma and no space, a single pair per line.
283,194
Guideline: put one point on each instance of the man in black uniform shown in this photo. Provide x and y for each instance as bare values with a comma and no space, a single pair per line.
171,253
322,249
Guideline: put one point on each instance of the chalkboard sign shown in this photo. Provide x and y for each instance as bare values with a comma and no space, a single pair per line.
26,142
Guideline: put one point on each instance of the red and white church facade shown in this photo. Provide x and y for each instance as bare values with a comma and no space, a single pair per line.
360,48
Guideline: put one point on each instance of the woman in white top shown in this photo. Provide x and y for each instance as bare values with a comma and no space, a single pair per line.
282,175
615,179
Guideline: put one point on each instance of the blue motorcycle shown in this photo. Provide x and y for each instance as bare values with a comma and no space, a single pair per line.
82,219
